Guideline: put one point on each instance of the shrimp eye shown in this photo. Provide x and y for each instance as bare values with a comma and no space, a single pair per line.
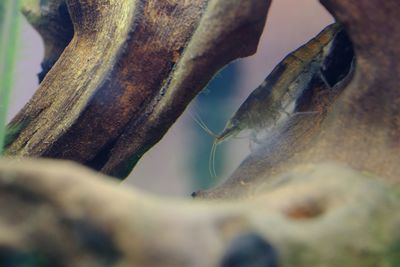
234,123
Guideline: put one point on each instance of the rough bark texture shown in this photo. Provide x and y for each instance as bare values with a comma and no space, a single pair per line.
129,72
287,206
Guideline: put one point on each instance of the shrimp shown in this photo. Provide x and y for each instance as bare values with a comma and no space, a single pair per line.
275,98
283,86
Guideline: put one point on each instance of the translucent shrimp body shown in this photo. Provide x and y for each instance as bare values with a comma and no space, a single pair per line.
275,98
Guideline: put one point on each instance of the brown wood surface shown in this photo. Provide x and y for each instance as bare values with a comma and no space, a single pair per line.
129,72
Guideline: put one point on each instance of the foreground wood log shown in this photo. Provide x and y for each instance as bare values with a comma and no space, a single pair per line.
59,214
129,72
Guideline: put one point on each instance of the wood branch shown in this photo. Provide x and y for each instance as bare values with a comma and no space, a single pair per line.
129,72
51,19
362,128
59,214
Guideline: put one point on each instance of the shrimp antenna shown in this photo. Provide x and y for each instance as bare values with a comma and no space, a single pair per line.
202,125
211,160
214,156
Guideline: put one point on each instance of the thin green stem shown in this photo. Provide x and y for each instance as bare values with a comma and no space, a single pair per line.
9,28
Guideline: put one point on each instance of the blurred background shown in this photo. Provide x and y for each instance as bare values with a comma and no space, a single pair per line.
182,155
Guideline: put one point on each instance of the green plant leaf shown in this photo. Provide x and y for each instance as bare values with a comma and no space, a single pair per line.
9,28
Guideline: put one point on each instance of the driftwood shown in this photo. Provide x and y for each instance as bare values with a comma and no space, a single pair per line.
56,214
128,73
286,205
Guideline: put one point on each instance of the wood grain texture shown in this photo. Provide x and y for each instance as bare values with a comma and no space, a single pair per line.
129,72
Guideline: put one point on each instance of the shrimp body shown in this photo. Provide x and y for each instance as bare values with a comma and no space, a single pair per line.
277,95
